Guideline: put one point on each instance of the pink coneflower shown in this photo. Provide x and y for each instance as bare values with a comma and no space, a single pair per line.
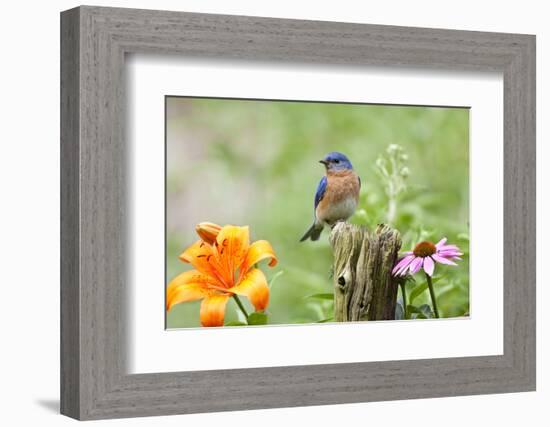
425,255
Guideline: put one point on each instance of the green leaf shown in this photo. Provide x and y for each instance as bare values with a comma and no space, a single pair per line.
422,312
426,310
417,291
275,277
413,308
330,319
463,236
236,323
257,318
399,313
322,296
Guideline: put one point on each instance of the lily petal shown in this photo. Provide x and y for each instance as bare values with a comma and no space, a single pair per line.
258,251
186,293
213,310
188,286
254,287
205,259
192,277
232,245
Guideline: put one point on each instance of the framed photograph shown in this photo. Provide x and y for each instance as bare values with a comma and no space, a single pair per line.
255,153
278,213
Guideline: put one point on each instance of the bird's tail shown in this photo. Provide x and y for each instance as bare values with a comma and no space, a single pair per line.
313,233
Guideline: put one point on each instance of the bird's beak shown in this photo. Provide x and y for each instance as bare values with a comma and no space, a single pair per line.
323,162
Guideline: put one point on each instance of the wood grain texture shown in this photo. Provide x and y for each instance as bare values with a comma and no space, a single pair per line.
70,291
95,274
363,260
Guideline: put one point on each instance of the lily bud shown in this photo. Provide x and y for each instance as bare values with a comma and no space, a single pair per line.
208,231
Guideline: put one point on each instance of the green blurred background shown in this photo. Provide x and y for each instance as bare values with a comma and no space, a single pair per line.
248,162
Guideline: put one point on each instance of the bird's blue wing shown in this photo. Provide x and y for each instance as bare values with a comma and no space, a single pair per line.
321,188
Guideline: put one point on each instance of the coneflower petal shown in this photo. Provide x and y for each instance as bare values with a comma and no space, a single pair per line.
416,265
402,264
429,266
442,260
441,243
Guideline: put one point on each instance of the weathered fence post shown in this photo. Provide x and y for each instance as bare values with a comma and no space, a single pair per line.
363,286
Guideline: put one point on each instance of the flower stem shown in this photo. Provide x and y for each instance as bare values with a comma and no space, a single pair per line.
432,295
241,306
392,209
404,296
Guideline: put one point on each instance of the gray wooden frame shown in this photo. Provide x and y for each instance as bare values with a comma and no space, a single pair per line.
94,41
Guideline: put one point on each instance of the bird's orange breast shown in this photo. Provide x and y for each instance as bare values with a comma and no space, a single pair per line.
341,185
340,198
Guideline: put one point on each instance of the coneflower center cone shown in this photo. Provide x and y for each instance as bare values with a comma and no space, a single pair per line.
424,249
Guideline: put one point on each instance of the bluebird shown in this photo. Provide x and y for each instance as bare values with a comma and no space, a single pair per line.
337,194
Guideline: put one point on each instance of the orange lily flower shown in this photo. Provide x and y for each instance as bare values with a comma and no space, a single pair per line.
223,261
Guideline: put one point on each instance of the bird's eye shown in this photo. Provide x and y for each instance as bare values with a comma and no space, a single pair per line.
336,161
